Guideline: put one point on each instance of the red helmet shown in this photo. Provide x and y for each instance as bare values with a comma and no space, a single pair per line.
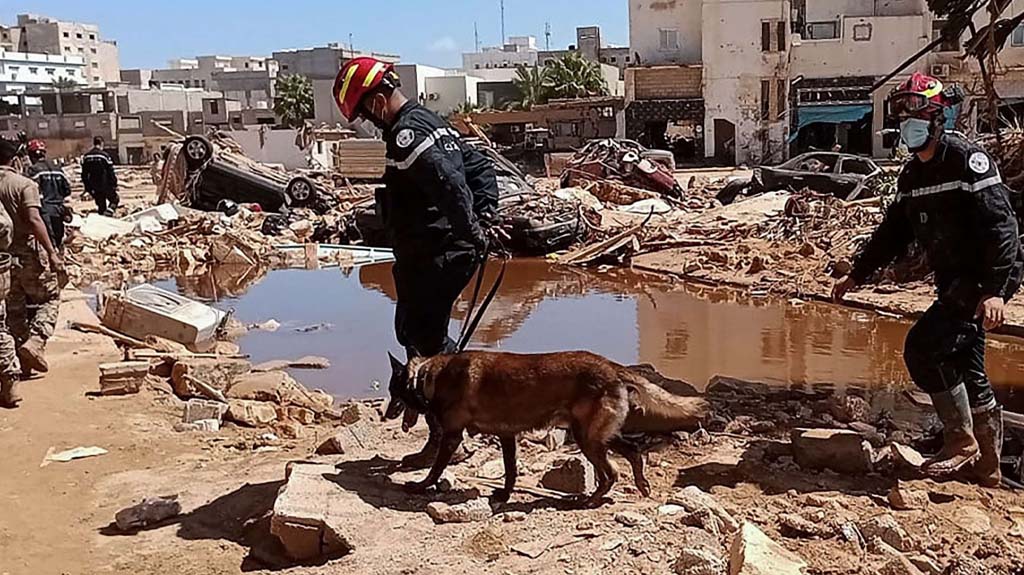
357,78
37,146
919,95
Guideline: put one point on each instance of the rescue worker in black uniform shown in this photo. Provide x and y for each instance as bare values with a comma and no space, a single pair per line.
54,190
951,199
440,196
99,178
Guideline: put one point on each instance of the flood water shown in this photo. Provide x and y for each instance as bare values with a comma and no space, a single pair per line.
686,332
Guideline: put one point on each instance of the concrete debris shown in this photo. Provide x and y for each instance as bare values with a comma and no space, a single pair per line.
906,457
973,520
807,524
754,553
123,378
967,565
149,512
251,413
722,385
301,415
312,512
700,554
493,469
201,409
836,449
630,519
903,498
694,500
570,475
352,412
307,362
469,512
219,373
849,408
359,436
899,566
888,530
100,228
513,516
203,425
926,564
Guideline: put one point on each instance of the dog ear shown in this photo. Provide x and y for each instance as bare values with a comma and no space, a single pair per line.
397,367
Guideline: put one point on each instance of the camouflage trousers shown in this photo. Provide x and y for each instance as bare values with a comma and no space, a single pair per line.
34,299
9,364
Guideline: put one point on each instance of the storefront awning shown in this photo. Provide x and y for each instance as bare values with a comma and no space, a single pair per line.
837,114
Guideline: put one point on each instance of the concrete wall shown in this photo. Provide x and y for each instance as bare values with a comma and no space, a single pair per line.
39,70
498,58
271,147
321,62
835,9
254,89
137,78
166,100
648,17
414,79
734,67
893,39
446,93
664,82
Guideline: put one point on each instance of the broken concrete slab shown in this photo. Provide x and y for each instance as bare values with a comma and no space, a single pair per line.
149,512
840,450
973,520
251,413
200,409
906,457
630,519
306,362
811,523
903,497
351,413
693,500
886,529
754,553
313,517
469,512
700,554
570,475
899,566
219,373
123,377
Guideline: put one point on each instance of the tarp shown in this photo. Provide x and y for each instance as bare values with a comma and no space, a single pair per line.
838,114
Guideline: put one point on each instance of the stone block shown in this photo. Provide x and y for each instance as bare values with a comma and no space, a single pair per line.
840,450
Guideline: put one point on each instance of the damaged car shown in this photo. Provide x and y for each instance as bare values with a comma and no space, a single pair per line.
215,174
625,161
845,176
536,223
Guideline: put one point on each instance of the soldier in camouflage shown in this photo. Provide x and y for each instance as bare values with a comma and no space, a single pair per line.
9,366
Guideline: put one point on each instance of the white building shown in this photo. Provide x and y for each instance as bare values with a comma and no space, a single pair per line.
20,71
43,35
518,51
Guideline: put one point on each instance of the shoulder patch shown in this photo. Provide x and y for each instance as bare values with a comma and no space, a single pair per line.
979,163
405,137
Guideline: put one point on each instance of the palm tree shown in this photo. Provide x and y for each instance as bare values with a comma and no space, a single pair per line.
573,76
531,82
62,84
293,101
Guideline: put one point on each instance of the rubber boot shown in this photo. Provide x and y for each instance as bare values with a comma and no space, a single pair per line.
9,397
32,354
959,447
988,430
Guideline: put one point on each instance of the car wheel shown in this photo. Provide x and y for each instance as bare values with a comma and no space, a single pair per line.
301,191
198,151
732,190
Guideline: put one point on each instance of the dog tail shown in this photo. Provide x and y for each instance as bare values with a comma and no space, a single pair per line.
652,409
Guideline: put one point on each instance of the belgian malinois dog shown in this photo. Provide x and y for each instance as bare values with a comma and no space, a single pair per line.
505,394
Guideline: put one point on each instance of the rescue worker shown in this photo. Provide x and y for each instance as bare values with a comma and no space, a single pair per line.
440,195
952,200
54,189
99,178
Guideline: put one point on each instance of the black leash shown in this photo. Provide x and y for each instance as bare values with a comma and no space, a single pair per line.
471,324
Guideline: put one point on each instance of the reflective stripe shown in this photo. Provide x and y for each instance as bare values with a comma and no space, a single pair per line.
344,86
987,182
377,68
430,140
960,185
50,174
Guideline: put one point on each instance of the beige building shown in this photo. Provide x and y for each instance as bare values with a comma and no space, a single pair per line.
780,76
40,34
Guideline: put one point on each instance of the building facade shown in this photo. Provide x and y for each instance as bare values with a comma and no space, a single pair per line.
322,62
27,72
247,79
592,47
43,35
518,51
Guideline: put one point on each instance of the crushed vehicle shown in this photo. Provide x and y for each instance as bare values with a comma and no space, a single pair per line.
625,161
536,223
845,176
215,173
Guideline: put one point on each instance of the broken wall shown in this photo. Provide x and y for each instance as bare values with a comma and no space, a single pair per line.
647,18
272,147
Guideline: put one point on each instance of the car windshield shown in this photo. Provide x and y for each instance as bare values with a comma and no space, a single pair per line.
813,163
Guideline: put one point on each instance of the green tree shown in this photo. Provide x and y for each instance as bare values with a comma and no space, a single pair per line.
293,101
573,76
531,82
62,84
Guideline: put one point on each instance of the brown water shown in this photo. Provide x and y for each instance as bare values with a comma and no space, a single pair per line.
687,332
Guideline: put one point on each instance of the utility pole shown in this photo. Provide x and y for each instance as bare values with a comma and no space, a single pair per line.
476,37
547,35
351,46
503,22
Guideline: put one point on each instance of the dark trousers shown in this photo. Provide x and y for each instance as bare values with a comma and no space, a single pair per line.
427,289
53,217
945,348
105,200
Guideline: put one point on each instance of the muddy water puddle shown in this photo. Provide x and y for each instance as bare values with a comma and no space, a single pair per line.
687,332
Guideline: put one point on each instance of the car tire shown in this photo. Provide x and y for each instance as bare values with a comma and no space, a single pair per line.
731,191
198,151
301,191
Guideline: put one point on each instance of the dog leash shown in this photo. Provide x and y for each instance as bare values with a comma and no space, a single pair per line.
470,326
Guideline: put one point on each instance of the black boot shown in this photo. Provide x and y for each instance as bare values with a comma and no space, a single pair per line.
988,430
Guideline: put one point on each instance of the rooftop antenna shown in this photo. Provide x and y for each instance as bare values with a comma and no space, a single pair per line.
502,21
476,37
351,46
547,35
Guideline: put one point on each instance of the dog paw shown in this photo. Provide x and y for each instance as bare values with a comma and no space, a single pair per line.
416,487
644,487
501,496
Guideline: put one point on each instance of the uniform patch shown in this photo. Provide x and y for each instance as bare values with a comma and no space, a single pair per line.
979,163
406,136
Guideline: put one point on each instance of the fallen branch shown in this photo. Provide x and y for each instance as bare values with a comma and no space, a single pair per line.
206,389
103,330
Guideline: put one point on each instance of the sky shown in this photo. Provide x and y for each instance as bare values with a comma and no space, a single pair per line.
426,32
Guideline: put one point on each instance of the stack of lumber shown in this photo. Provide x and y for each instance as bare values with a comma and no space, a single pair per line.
360,159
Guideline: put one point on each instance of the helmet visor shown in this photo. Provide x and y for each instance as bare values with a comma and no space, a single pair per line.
907,104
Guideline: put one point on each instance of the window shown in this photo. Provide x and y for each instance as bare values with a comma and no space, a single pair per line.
476,66
1017,39
668,39
51,71
948,44
284,67
781,36
67,34
92,36
766,99
4,125
214,107
95,78
604,60
780,98
614,60
766,36
95,65
81,50
32,70
627,58
67,48
859,167
93,50
862,32
78,35
822,30
130,123
773,36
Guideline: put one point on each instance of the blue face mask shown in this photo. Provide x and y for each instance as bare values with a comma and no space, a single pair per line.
915,132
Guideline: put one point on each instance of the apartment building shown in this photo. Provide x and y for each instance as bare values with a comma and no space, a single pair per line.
517,51
322,62
25,72
43,35
248,79
591,46
783,76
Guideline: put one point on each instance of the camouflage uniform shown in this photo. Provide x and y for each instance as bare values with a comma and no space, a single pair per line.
10,368
34,300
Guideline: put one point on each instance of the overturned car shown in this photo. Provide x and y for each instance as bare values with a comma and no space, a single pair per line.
845,176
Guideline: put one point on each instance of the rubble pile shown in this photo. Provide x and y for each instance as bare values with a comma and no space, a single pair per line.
618,161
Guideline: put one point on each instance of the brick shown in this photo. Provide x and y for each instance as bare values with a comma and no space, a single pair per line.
123,378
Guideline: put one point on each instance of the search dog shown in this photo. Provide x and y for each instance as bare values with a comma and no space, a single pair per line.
505,394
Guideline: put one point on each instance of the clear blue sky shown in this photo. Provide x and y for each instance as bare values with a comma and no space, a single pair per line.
422,31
